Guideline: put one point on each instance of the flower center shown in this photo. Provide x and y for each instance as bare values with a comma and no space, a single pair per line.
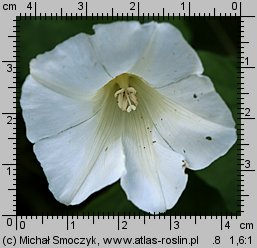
126,95
126,99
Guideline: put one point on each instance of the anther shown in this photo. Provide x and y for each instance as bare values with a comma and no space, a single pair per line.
127,100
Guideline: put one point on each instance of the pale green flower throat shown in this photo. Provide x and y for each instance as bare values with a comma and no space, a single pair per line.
126,95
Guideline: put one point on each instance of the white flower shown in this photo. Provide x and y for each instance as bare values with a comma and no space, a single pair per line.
128,103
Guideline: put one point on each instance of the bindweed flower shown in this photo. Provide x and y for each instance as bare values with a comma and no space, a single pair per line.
130,103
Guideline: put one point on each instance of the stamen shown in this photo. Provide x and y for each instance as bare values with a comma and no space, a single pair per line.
127,100
118,92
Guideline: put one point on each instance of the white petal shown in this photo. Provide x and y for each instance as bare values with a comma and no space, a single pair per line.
81,160
71,68
167,57
119,45
155,175
197,94
195,130
47,113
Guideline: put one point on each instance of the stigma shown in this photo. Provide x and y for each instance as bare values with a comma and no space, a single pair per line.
126,99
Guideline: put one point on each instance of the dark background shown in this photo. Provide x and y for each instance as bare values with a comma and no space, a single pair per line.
211,191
